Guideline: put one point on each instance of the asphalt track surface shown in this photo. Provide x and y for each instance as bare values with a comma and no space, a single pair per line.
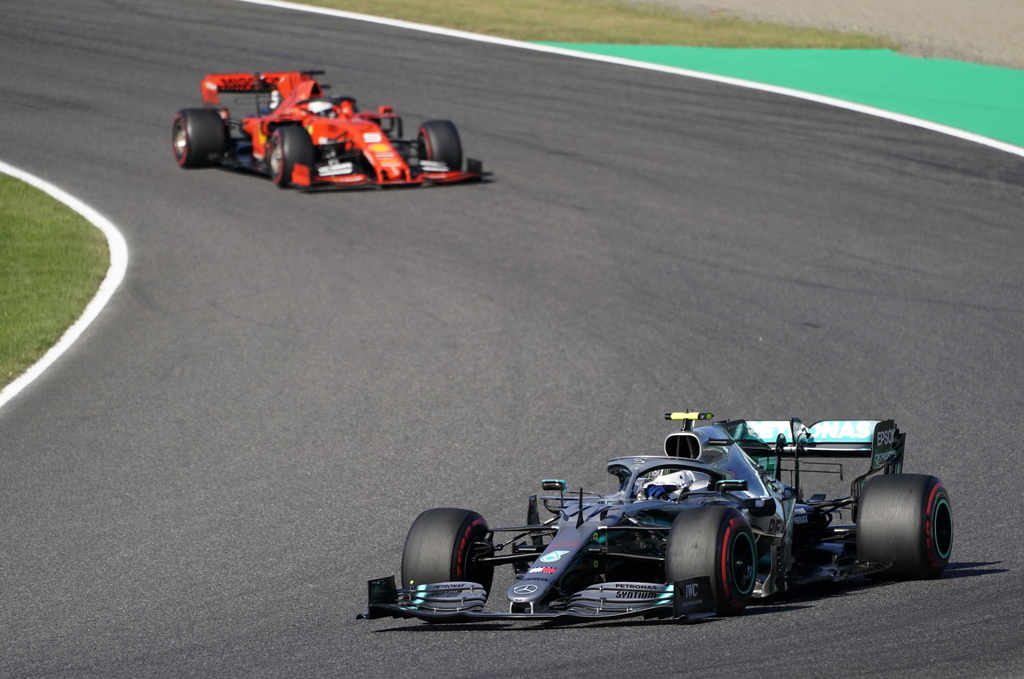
203,484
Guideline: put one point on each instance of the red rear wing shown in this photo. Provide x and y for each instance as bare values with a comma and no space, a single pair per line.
215,83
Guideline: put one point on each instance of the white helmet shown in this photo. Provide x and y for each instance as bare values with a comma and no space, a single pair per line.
670,484
320,107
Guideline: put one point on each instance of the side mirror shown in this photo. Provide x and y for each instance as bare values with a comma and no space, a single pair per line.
553,484
760,506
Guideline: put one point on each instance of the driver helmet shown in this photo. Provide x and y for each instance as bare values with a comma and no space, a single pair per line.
671,484
320,107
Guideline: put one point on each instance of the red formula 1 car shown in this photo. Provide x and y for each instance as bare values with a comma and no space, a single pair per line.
301,137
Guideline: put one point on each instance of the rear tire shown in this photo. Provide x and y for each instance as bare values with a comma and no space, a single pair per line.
439,142
906,520
198,136
442,546
714,541
289,146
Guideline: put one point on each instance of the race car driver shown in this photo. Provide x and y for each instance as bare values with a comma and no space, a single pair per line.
670,485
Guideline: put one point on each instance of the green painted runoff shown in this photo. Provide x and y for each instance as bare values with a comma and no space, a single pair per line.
985,100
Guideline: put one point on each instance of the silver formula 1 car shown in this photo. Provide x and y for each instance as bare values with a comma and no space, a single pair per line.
697,531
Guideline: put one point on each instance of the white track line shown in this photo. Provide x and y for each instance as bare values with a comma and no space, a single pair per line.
119,249
115,274
829,101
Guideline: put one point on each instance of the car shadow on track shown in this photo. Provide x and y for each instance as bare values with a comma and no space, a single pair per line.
799,599
970,569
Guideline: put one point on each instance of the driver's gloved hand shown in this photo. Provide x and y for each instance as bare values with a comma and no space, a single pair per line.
657,493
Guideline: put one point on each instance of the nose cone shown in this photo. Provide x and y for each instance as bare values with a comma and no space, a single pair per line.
536,582
528,591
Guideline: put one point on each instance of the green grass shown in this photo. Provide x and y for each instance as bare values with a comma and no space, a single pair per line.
51,263
602,21
52,260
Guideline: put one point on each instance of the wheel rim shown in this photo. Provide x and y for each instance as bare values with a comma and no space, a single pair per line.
942,528
471,548
423,150
742,563
180,140
276,160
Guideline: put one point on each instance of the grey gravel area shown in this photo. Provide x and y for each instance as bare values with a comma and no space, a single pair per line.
983,31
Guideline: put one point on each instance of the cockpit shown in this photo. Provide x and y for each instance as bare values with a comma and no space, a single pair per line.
693,461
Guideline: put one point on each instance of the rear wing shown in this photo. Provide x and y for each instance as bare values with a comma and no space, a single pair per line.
878,439
241,83
770,441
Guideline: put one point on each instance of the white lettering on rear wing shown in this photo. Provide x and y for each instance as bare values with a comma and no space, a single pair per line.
838,438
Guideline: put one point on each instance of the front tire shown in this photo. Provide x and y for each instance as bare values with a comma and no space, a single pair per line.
439,142
289,146
443,546
715,541
198,136
905,520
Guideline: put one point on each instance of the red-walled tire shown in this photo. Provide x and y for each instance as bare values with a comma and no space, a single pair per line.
442,546
714,541
438,141
905,520
289,146
198,137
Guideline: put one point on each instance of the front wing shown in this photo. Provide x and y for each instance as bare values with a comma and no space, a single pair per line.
460,602
306,177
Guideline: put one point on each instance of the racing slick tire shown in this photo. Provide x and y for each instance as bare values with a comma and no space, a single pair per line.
439,142
198,136
289,146
442,546
714,541
905,520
